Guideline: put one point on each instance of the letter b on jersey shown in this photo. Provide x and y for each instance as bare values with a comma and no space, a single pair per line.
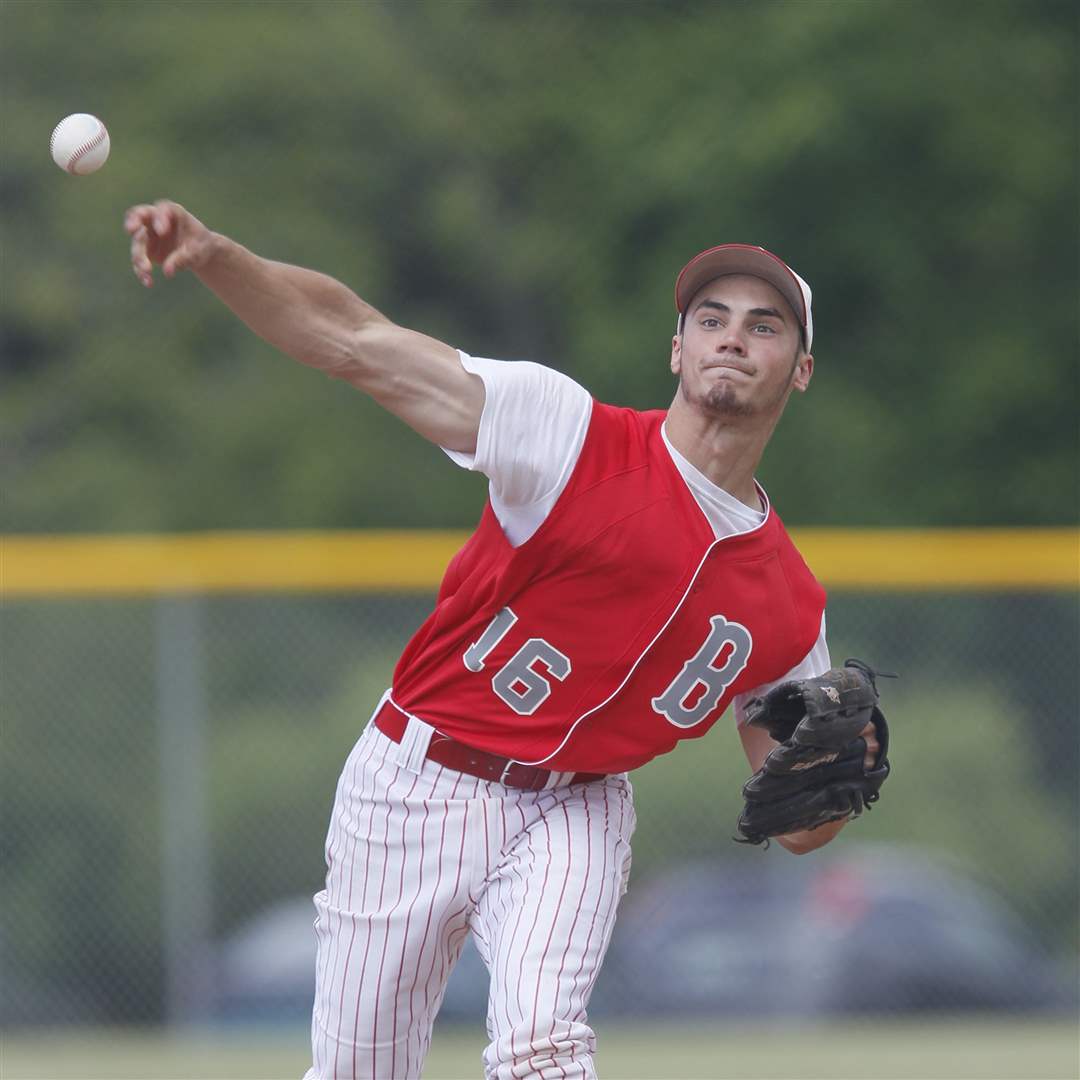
698,688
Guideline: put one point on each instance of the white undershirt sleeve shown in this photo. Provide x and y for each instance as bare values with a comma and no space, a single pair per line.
531,432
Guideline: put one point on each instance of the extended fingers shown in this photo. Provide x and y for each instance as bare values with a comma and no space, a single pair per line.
138,217
176,261
140,260
163,217
148,224
138,220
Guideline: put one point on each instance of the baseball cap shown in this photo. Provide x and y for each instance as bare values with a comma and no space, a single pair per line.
746,259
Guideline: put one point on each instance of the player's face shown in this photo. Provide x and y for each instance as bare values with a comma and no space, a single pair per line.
740,352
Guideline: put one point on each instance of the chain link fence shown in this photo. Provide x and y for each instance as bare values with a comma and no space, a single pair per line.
169,764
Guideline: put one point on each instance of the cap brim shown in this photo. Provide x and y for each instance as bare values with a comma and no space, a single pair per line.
740,259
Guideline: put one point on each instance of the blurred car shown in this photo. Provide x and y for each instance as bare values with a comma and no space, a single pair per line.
870,930
265,971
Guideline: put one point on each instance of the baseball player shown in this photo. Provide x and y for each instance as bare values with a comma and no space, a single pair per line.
627,582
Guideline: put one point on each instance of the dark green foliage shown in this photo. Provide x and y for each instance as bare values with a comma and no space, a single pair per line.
524,180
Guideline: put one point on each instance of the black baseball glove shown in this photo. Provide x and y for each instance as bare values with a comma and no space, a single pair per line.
817,774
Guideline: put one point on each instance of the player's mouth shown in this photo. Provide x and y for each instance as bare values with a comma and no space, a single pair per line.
728,368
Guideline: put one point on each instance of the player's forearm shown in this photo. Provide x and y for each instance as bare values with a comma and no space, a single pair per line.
801,843
309,316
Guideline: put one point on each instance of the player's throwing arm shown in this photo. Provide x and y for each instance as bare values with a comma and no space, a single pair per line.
317,321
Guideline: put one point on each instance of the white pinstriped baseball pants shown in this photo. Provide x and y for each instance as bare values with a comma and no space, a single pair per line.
418,858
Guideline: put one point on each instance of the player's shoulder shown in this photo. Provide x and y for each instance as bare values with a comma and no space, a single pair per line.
639,423
621,439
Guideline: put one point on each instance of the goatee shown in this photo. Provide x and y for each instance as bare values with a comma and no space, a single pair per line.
722,400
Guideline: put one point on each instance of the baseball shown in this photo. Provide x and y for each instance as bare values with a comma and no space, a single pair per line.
80,144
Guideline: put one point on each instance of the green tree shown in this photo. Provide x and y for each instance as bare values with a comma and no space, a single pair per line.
525,181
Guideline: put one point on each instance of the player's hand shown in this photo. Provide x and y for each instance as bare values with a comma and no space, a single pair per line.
873,747
166,234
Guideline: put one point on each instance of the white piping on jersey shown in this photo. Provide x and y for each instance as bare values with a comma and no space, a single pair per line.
614,693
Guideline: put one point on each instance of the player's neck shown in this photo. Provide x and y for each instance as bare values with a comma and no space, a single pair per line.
726,450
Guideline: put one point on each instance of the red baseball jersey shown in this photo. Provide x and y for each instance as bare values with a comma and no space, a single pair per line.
619,627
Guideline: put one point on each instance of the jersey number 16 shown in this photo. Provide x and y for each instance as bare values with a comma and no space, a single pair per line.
519,682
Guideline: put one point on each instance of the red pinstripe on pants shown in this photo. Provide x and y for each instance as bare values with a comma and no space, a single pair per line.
418,860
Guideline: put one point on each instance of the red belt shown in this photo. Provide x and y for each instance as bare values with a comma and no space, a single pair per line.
443,750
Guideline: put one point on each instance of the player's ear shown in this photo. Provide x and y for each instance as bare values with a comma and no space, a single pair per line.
676,354
804,369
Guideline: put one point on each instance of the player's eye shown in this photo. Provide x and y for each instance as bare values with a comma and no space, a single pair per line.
766,327
710,322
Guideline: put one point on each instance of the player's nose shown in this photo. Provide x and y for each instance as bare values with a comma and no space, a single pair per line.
731,340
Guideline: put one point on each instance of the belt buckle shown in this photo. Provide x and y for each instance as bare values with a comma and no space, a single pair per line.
533,783
506,772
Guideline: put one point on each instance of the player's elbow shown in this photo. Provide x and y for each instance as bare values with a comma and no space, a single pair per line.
358,354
